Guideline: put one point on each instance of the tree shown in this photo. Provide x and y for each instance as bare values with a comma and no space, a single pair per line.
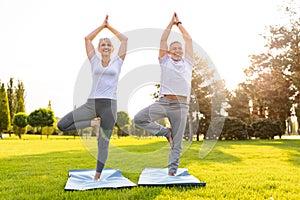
238,101
41,118
20,123
210,93
286,39
16,97
284,42
218,98
273,77
20,96
122,120
11,98
270,93
201,75
4,110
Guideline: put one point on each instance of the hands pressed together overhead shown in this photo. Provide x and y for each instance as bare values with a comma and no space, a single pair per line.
105,22
175,20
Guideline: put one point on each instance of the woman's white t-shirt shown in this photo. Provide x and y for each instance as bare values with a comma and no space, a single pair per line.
105,79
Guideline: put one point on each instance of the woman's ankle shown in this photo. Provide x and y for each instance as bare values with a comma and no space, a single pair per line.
97,176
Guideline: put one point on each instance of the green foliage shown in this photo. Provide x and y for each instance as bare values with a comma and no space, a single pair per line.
273,77
16,97
4,110
209,93
232,128
11,98
270,93
21,105
202,75
266,128
20,119
238,102
41,117
20,123
20,96
123,121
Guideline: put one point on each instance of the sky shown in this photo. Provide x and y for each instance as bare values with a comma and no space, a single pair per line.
42,41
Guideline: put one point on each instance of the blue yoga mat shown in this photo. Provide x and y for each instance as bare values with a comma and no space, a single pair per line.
160,177
84,180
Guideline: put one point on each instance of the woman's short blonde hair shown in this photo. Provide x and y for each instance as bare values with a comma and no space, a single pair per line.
104,39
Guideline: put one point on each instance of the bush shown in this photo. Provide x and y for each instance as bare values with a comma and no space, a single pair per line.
232,129
266,128
20,123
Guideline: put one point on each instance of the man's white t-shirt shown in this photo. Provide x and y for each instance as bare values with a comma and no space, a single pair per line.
176,76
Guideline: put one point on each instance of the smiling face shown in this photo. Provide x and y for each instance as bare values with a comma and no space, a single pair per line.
175,51
105,47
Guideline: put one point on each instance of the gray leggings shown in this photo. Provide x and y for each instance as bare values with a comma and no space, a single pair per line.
176,111
81,118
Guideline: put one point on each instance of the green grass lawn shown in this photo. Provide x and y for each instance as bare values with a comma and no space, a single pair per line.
257,169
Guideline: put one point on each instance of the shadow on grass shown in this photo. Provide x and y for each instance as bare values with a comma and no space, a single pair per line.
217,155
289,144
284,144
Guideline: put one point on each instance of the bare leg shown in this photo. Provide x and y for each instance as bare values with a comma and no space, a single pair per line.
97,176
96,125
171,174
170,139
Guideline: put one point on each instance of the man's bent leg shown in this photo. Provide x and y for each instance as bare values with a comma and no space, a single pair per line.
145,119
